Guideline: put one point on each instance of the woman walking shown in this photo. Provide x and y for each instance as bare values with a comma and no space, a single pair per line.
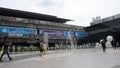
41,48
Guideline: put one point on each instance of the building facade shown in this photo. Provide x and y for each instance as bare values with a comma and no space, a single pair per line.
27,27
103,28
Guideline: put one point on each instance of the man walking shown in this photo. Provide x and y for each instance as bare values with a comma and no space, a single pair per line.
103,44
114,43
6,44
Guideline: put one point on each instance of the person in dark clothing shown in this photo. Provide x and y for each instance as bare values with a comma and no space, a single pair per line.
41,48
114,44
6,44
103,45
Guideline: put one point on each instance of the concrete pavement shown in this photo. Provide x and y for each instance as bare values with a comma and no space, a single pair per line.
24,55
82,58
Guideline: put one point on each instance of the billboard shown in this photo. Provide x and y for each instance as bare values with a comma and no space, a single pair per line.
66,33
52,32
62,33
81,34
55,32
17,30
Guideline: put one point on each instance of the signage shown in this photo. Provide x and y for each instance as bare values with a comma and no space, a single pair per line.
17,30
52,32
66,33
55,32
81,34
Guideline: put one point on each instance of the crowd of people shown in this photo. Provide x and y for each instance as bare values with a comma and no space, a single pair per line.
43,47
112,43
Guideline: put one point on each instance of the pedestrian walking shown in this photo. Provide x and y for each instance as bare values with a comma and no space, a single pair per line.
44,47
56,47
114,43
6,45
41,48
103,44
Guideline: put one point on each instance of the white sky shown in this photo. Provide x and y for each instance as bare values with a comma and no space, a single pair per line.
82,11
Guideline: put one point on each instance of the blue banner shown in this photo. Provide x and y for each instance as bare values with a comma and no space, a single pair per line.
55,32
66,33
52,32
16,30
81,34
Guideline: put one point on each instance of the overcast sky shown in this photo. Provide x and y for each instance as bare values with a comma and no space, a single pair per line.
82,11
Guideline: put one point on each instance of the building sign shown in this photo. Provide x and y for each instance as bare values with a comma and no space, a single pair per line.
16,30
81,34
55,32
32,31
52,32
66,33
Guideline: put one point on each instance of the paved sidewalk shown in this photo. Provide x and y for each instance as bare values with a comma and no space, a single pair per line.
82,58
23,55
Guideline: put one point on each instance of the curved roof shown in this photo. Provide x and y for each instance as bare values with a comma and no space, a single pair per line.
31,15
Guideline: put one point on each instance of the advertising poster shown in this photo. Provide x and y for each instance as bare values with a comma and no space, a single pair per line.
66,33
17,30
81,34
52,32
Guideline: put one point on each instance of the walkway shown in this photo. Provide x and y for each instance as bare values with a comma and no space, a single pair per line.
82,58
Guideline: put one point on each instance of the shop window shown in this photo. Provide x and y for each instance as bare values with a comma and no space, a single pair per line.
21,24
36,21
19,19
5,18
0,17
31,21
26,20
11,18
31,26
6,23
42,22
